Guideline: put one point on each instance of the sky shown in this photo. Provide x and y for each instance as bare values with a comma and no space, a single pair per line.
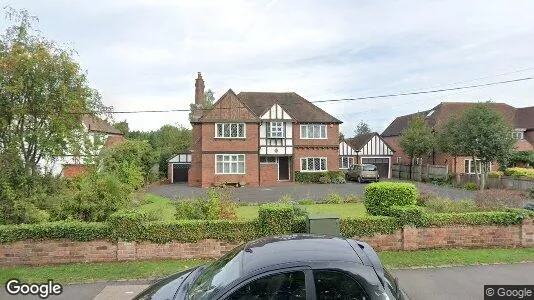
145,54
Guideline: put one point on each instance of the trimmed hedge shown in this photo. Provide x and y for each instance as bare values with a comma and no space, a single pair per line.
379,196
125,223
77,231
368,226
475,218
408,215
315,177
276,218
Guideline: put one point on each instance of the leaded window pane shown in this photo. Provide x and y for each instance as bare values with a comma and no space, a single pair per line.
226,130
219,130
304,164
323,131
323,164
241,129
304,131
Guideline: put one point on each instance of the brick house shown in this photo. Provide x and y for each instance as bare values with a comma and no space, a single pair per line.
259,138
521,119
100,133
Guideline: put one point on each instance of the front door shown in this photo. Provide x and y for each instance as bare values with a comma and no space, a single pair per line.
283,168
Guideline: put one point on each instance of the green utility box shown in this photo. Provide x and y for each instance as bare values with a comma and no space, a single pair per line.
318,224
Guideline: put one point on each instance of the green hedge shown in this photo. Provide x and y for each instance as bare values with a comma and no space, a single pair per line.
77,231
475,218
379,196
408,215
126,223
368,226
276,218
315,177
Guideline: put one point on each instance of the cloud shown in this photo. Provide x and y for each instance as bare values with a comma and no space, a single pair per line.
144,54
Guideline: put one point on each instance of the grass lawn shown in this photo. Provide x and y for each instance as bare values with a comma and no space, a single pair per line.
342,210
158,206
89,272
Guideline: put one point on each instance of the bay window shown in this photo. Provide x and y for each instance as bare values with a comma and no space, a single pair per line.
275,130
230,164
469,166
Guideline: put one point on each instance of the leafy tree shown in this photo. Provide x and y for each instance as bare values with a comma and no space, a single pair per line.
341,136
450,141
417,139
362,128
122,126
209,99
522,157
486,137
41,85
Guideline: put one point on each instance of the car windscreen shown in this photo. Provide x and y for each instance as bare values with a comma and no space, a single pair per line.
217,275
369,167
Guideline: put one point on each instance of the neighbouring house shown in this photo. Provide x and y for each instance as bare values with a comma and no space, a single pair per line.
178,167
100,134
259,138
367,148
521,119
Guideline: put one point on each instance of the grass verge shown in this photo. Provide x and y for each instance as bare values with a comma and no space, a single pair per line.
90,272
342,210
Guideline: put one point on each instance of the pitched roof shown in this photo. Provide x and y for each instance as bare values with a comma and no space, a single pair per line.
438,115
95,124
299,108
524,117
359,141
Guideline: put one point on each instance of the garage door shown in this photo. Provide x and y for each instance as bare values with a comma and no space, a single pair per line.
382,164
179,172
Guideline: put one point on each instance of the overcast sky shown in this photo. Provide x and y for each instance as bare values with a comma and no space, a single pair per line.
144,54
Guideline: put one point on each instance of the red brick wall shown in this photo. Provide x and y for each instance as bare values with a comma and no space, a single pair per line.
331,154
269,174
409,238
195,171
249,143
70,171
209,178
332,136
523,145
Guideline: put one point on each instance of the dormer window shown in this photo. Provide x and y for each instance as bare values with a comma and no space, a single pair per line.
275,130
518,134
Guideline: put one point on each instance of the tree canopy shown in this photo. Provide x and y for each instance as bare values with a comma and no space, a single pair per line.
362,128
417,139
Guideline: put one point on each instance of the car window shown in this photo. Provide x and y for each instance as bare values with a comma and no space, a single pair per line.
335,285
284,286
369,168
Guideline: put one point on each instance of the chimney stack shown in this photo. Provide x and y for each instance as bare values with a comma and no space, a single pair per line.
199,91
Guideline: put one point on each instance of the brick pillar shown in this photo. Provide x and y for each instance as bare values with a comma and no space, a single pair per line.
409,238
126,251
527,233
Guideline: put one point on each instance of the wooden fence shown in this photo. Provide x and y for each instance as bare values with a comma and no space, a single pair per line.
419,172
504,182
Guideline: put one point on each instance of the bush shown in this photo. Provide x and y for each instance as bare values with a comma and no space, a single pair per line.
424,196
276,218
94,196
367,226
130,174
499,199
306,201
441,205
520,172
408,215
496,174
352,198
77,231
26,212
475,218
125,223
308,177
215,205
379,196
334,198
325,179
522,157
471,186
530,193
339,180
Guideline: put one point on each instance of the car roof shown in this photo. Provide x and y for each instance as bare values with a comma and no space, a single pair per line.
277,250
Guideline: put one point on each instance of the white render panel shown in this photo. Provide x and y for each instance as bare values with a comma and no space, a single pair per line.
276,112
345,149
376,146
289,130
263,130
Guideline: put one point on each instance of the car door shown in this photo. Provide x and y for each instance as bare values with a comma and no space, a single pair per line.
330,284
283,284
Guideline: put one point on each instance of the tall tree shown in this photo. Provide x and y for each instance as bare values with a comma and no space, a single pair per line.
362,128
486,138
209,99
122,126
341,136
417,139
41,85
450,141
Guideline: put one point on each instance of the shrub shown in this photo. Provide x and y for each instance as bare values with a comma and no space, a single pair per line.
93,197
499,199
215,205
352,198
325,179
367,226
129,173
26,212
78,231
336,176
379,196
306,201
522,157
441,205
530,193
496,174
474,218
286,199
339,180
471,186
408,215
276,218
125,223
334,198
520,172
424,196
308,177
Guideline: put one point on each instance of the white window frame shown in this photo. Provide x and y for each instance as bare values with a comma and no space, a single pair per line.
399,160
269,162
311,128
275,127
228,160
518,135
229,125
345,162
307,164
470,166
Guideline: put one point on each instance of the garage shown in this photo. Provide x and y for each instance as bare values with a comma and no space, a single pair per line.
382,164
178,167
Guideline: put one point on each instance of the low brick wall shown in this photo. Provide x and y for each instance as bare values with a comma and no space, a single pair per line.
409,238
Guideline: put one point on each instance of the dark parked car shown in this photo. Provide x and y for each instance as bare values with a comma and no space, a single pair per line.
285,267
361,173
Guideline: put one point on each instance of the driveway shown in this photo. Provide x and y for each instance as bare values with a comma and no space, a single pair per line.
297,191
420,284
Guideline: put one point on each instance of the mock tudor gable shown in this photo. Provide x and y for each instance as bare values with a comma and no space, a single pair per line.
229,108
